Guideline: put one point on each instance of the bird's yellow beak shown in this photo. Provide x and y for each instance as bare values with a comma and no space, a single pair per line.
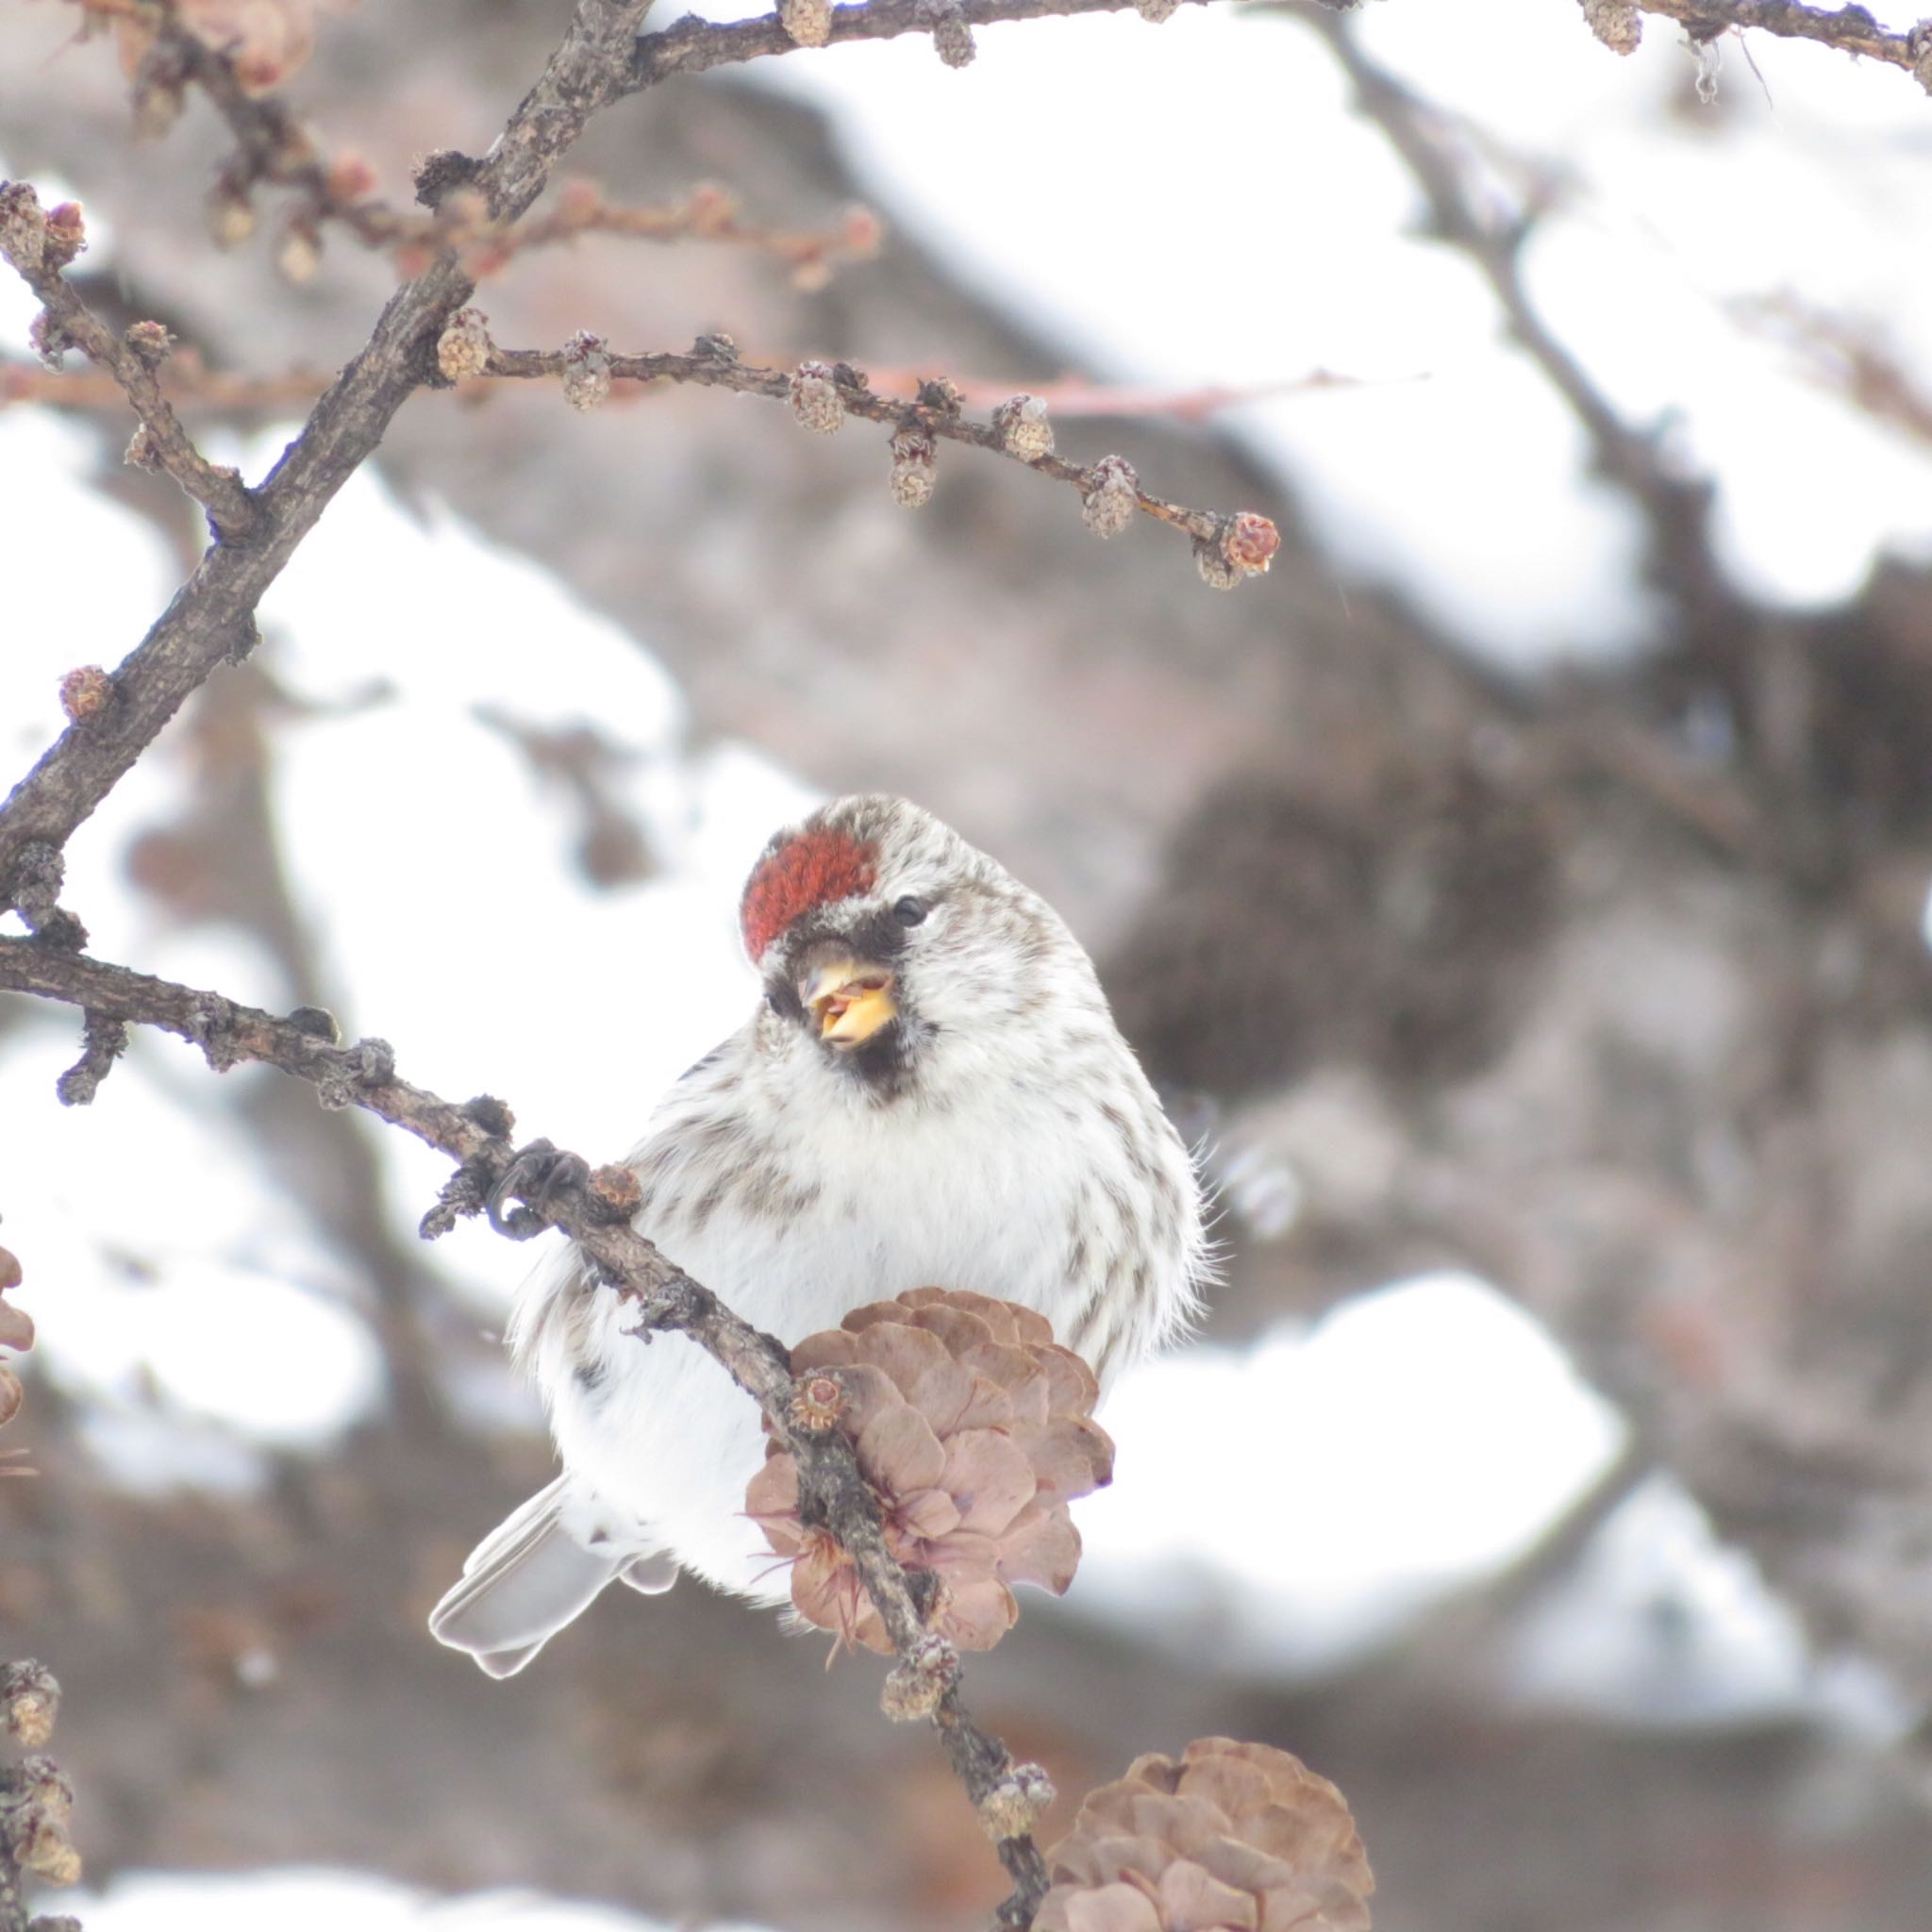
850,1001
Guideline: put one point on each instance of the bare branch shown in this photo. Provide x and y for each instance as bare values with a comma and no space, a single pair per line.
211,617
823,396
1851,29
595,1212
40,244
693,45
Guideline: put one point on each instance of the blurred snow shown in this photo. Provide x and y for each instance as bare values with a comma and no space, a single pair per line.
1659,1623
299,1899
1307,1496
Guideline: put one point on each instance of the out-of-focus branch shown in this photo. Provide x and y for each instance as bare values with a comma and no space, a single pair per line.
40,244
192,385
1850,358
593,1208
36,1800
1228,546
1676,508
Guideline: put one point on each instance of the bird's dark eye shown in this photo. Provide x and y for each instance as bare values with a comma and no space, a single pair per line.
909,911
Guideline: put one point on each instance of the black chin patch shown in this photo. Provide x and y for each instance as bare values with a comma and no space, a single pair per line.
881,1064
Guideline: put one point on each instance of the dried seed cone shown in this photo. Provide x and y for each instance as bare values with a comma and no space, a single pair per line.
1232,1836
976,1431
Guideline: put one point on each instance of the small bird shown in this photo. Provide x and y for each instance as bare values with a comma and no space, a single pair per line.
932,1092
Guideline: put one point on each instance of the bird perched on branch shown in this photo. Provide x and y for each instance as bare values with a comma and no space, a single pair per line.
932,1092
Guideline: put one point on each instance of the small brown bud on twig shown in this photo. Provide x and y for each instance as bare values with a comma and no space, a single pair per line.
42,1782
1156,10
230,216
586,370
817,1403
940,395
1919,45
1023,429
66,233
1251,540
23,227
1617,23
47,339
916,1688
41,1845
715,345
350,179
463,347
1244,546
1110,496
815,400
142,452
29,1703
915,465
1017,1803
299,253
809,22
151,342
952,38
861,231
615,1191
157,104
85,693
1217,571
710,209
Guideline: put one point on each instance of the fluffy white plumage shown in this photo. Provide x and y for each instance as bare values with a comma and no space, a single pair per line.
993,1132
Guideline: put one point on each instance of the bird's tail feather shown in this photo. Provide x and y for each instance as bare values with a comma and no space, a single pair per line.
539,1570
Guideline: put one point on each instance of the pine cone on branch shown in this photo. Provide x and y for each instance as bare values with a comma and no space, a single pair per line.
975,1429
1226,1838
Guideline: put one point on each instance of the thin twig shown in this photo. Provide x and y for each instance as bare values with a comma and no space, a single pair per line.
693,45
40,244
594,1213
1851,29
211,617
713,364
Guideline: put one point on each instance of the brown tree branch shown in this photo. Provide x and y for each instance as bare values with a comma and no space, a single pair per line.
821,396
1851,29
211,616
694,45
40,244
593,1212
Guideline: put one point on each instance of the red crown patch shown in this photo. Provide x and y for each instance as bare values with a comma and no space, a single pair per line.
814,869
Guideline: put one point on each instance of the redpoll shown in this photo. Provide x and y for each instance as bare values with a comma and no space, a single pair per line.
933,1091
